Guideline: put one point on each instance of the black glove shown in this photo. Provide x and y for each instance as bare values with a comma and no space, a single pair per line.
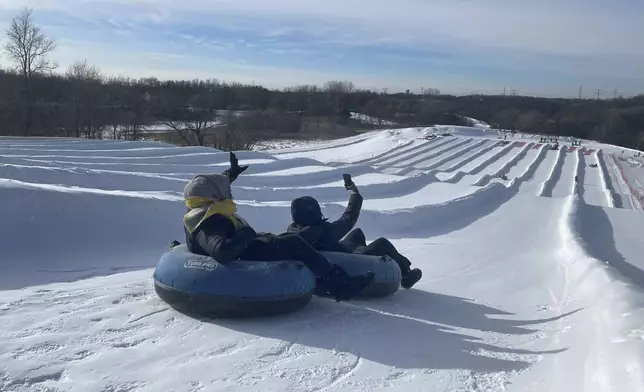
235,169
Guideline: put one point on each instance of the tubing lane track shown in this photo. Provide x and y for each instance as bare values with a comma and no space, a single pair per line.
590,229
606,181
614,199
626,187
486,178
529,172
498,155
302,180
580,172
555,174
430,154
454,155
458,176
469,208
401,154
428,145
637,200
434,166
324,146
592,265
471,158
451,215
403,187
378,156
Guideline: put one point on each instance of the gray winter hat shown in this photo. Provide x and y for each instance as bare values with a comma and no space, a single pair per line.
215,187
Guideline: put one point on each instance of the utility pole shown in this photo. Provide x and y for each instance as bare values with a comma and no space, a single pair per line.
615,94
580,88
598,92
504,91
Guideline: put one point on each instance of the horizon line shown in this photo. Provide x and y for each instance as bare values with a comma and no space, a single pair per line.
105,77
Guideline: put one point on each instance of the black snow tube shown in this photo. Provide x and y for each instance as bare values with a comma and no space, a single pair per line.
387,271
199,285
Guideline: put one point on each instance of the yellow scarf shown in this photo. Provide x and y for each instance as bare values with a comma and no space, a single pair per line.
202,208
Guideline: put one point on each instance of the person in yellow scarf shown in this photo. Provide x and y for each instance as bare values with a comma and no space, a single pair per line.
214,228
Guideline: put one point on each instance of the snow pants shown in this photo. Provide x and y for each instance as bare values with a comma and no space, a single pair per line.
380,247
288,246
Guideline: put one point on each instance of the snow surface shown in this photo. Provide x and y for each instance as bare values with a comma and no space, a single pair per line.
534,283
477,123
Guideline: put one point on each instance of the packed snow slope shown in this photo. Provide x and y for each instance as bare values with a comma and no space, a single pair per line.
531,283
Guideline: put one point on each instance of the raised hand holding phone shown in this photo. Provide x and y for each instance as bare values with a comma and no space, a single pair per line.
348,183
347,180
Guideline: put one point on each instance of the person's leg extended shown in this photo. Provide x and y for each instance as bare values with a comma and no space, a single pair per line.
289,247
382,247
356,237
332,279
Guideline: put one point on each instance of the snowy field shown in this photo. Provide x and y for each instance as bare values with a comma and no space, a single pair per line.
534,283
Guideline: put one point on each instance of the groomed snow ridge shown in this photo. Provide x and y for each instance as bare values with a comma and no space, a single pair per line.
530,283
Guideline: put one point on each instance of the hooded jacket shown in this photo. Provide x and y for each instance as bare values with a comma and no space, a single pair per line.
323,235
207,195
211,224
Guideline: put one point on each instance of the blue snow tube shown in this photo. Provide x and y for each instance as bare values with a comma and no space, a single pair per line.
199,285
387,271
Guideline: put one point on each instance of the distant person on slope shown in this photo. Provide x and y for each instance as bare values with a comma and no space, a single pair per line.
309,222
213,228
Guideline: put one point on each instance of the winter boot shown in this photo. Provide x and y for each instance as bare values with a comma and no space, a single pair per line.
342,286
411,278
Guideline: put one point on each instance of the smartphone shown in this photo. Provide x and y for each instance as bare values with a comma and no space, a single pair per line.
347,180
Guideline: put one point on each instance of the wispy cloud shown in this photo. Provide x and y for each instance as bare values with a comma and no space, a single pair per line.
456,45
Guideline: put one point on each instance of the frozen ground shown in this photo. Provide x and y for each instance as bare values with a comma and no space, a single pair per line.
530,284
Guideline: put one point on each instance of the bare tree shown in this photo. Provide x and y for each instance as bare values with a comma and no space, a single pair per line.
433,92
337,90
375,110
302,88
507,118
530,121
80,70
238,132
613,124
9,104
86,92
195,121
193,131
339,87
139,103
28,48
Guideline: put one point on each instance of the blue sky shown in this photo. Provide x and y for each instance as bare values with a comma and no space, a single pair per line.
548,47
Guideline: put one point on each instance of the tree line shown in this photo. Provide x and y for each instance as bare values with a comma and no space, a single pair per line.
83,102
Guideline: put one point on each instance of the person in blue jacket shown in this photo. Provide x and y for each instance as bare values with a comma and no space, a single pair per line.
214,228
323,235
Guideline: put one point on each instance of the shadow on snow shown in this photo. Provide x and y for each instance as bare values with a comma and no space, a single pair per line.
413,329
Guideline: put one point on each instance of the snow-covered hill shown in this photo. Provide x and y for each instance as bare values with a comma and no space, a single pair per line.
532,283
